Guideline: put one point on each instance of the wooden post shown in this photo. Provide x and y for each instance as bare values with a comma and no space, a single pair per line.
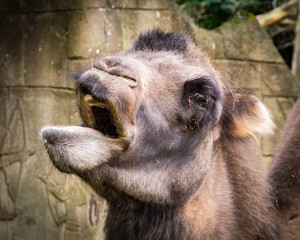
296,55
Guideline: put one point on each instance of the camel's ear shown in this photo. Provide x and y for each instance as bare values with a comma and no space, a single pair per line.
245,115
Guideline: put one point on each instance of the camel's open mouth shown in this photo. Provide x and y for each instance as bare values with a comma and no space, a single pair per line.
105,121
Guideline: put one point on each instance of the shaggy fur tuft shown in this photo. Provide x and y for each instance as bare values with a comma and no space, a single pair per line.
157,40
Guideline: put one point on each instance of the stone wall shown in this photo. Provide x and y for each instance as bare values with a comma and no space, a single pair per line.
41,42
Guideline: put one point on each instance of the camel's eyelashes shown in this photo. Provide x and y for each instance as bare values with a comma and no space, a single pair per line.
201,98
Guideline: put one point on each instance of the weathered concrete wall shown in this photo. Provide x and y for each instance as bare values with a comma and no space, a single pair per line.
41,42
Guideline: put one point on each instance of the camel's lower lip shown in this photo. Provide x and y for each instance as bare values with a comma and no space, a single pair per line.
74,149
46,132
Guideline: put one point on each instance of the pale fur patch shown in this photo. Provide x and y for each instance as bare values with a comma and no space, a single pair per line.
258,122
79,147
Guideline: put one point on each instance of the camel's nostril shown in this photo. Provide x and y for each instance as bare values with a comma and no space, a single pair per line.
110,63
107,63
117,66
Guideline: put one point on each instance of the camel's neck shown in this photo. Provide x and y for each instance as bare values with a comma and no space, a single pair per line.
136,220
208,215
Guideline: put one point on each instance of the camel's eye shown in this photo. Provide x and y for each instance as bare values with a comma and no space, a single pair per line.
202,99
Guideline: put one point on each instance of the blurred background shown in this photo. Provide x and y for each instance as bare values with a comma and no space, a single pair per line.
255,43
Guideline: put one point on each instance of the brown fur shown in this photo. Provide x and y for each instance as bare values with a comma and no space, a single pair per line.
211,201
285,176
178,155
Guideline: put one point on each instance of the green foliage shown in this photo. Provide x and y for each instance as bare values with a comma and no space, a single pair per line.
212,13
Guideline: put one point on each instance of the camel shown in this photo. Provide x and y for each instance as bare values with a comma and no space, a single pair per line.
285,176
169,144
